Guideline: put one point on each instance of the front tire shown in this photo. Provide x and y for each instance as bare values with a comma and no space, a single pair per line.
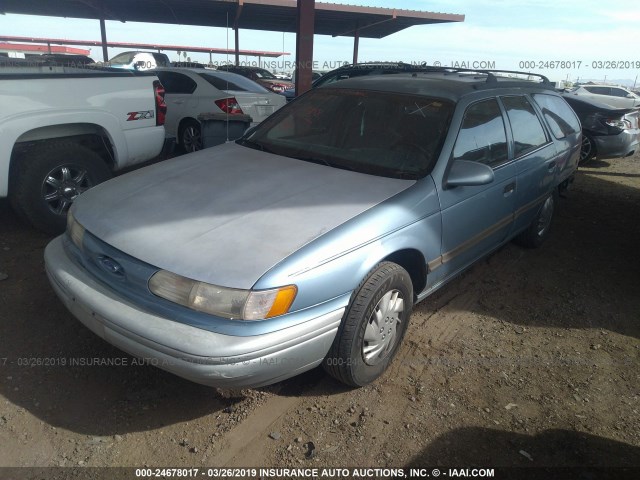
587,149
373,326
49,177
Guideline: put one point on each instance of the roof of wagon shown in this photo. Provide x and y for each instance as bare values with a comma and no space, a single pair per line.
443,84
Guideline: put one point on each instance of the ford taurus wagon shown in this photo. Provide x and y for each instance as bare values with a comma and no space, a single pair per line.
308,241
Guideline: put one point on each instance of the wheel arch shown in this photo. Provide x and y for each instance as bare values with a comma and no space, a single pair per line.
413,261
90,135
181,124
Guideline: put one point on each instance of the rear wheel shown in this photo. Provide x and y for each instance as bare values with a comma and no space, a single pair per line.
538,230
588,149
191,136
373,326
49,177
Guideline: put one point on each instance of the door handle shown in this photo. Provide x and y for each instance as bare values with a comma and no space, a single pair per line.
551,165
509,189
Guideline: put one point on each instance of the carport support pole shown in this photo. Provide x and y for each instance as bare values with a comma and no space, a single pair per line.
304,45
356,44
103,36
237,31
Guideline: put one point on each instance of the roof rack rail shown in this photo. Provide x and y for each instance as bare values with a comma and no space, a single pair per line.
492,78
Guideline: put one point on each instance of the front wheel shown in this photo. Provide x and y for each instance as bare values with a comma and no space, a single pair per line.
373,326
587,149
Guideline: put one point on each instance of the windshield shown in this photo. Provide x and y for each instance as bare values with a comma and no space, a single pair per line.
378,133
123,58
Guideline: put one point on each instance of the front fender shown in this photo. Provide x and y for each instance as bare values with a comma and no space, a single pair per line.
335,264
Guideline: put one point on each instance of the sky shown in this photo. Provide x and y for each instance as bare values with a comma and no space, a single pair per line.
564,40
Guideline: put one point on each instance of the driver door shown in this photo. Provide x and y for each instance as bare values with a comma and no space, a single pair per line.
476,219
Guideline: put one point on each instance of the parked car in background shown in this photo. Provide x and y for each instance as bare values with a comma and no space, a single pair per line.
190,92
291,93
64,130
362,70
607,132
309,240
139,60
608,94
66,60
187,65
260,75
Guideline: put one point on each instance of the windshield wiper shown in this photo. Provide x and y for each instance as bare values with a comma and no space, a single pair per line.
251,144
320,161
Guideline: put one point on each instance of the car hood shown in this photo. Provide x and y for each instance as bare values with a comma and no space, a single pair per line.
228,214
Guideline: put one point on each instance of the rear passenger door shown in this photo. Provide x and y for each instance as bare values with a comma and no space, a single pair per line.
179,98
476,219
535,158
565,127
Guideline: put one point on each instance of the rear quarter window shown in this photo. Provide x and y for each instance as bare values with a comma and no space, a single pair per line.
176,82
559,116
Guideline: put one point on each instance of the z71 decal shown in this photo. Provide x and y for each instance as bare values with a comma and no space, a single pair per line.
140,115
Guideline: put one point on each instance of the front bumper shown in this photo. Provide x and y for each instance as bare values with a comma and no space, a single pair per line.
198,355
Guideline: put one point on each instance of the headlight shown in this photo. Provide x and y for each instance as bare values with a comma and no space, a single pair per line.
225,302
75,230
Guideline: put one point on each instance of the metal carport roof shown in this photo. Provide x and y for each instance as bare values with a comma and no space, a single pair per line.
270,15
305,17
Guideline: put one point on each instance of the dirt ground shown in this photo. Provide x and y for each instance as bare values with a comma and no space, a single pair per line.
529,359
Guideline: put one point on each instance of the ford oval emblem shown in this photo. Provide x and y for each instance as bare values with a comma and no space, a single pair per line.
111,266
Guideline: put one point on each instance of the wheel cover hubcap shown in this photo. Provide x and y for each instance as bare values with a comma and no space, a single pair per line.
191,139
62,185
544,220
381,331
585,151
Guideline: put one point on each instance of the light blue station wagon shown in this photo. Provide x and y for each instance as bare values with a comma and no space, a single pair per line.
309,240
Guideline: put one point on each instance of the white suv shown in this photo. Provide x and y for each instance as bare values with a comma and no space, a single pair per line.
612,95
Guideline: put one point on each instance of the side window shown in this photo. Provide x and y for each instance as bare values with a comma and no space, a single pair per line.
176,82
599,90
526,128
482,137
560,117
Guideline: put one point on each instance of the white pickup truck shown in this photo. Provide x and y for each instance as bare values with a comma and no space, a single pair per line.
64,130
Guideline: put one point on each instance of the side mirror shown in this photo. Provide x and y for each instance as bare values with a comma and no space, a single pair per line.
630,95
464,173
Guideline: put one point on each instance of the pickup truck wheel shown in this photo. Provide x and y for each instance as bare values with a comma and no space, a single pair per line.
373,326
587,149
191,136
538,231
48,179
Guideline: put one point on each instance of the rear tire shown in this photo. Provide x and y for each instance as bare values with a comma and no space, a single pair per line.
49,177
373,326
538,231
191,136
